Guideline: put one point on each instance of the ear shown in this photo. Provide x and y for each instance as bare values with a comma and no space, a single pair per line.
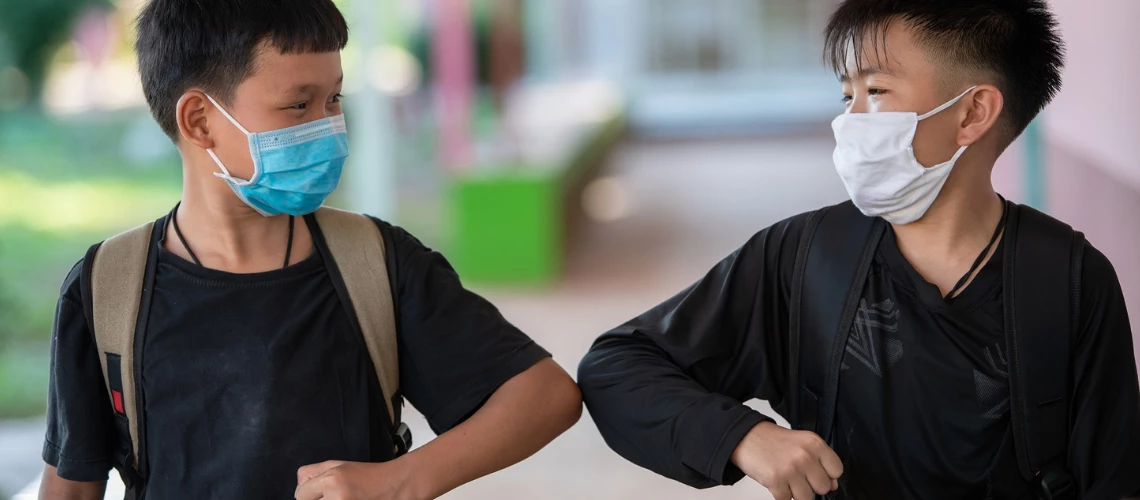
192,123
982,108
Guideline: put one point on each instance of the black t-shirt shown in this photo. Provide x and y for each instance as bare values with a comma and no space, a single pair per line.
922,410
924,395
246,378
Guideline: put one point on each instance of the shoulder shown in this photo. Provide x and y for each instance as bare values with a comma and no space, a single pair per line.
1042,229
73,283
407,257
399,244
780,242
1099,281
789,229
770,252
396,234
1102,306
796,225
72,290
1095,266
843,213
397,241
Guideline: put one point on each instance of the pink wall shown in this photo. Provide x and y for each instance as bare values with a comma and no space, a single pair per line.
1092,135
1097,114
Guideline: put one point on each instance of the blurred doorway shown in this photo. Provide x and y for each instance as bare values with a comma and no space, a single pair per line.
715,65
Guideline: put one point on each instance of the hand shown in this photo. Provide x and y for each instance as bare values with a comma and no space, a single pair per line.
337,480
791,464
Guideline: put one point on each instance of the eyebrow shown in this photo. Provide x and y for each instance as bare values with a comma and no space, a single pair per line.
302,89
865,72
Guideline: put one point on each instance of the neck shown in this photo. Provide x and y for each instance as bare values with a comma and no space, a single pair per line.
948,238
959,213
228,235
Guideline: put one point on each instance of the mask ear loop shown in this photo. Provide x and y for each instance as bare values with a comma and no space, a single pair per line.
939,109
225,173
949,103
961,150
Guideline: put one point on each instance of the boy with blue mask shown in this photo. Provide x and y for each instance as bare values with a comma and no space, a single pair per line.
248,375
927,339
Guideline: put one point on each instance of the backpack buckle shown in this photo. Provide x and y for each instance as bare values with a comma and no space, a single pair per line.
403,439
1056,484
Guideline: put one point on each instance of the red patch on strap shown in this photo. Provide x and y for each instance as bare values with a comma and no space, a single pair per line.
118,399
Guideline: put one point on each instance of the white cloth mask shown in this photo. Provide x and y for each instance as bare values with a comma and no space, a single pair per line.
874,155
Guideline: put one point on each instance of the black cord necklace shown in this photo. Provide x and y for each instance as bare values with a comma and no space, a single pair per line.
978,262
178,231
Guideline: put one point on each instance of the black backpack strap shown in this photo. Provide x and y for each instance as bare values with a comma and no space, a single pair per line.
832,264
1042,267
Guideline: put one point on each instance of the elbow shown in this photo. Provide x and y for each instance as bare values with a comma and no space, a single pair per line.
584,367
558,396
570,408
591,373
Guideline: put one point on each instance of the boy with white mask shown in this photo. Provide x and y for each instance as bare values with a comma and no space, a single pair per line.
268,347
926,340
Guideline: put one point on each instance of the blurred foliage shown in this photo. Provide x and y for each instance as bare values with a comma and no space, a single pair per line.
65,183
23,381
31,31
10,318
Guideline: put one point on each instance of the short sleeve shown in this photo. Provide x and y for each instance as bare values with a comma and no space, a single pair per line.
455,348
79,426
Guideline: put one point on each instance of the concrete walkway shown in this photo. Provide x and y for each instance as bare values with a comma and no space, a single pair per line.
21,442
692,203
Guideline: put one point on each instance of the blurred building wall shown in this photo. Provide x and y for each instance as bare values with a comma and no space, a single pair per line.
1092,135
1097,115
713,66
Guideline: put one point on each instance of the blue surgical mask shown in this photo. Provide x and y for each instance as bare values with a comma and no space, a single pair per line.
294,169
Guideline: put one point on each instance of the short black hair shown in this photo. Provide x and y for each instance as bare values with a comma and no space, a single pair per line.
211,44
1016,41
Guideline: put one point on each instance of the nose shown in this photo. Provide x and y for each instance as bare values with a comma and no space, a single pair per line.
857,105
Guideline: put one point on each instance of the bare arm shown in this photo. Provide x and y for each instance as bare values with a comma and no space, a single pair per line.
53,487
522,416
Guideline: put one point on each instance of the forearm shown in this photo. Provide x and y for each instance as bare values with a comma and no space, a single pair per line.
655,415
521,417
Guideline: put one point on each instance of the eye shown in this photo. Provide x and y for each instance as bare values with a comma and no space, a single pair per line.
847,98
336,98
300,106
874,91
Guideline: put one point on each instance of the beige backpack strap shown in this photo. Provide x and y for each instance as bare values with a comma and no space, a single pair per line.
117,277
357,247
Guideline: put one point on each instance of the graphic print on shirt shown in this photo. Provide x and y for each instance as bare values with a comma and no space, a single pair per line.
862,345
993,394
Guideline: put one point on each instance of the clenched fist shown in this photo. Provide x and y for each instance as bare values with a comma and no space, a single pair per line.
791,464
352,481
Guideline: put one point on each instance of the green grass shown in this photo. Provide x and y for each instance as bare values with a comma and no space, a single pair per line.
63,187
